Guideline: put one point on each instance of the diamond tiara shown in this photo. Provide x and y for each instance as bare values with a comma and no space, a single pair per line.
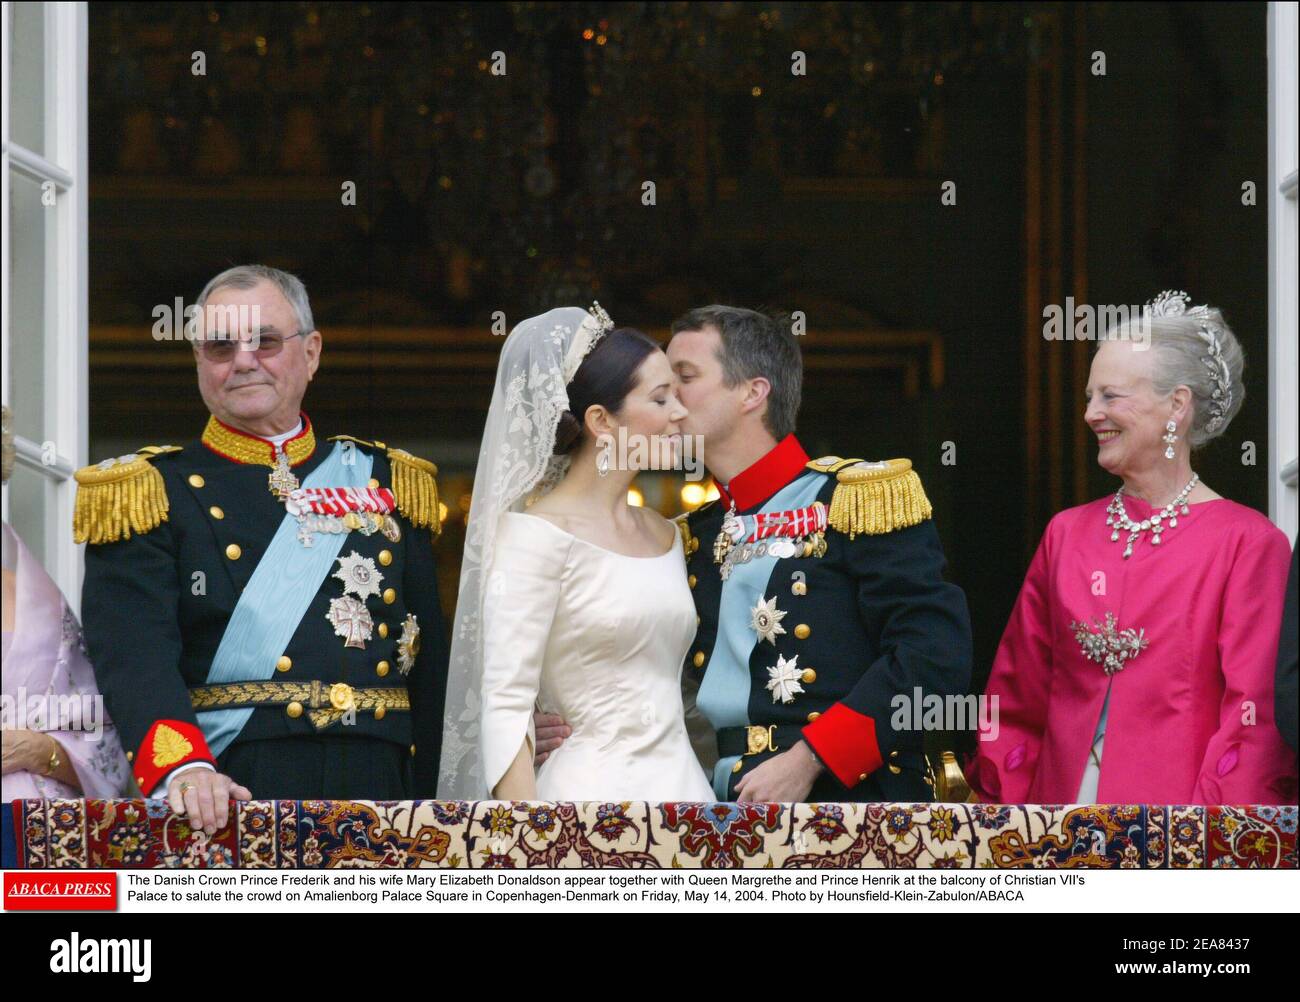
603,325
1174,303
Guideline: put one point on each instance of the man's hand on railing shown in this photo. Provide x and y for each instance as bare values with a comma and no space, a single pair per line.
204,796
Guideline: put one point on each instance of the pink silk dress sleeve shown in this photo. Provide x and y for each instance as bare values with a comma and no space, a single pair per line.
45,666
1003,768
1246,760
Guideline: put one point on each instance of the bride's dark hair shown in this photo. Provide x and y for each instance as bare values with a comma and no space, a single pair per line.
605,377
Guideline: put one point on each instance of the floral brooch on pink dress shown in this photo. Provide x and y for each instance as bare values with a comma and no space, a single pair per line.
1107,646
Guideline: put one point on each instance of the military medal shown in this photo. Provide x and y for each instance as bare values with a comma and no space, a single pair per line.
408,644
359,575
282,481
765,618
783,679
308,525
800,532
340,509
351,621
782,549
730,534
391,530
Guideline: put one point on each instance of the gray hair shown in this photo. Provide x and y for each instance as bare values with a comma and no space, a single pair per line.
755,344
1183,357
247,276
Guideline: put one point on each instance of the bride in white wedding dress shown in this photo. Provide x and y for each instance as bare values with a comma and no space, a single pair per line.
571,600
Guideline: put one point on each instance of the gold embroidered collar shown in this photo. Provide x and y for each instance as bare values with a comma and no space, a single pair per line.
244,448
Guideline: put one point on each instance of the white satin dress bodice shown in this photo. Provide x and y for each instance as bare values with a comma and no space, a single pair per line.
600,639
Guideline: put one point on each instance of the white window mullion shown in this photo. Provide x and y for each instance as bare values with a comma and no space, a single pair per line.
54,393
70,333
5,368
1284,362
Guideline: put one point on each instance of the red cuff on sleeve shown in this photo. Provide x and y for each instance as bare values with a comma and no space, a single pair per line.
845,741
169,743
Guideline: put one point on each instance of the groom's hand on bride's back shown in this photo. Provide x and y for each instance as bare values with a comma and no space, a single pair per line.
551,732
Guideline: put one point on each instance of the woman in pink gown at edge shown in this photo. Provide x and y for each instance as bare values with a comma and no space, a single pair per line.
53,749
1138,664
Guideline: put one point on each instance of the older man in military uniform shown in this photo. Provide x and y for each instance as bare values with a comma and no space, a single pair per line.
819,587
261,606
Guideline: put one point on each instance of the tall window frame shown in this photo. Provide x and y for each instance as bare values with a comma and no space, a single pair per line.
1283,365
44,323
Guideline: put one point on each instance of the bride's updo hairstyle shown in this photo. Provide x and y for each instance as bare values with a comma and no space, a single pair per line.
605,377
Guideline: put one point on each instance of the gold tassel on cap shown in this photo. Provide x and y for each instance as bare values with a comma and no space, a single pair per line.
878,498
415,490
120,496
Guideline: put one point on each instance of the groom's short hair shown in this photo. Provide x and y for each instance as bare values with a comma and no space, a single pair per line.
756,344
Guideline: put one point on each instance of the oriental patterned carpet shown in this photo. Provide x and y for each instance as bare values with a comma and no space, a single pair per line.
429,833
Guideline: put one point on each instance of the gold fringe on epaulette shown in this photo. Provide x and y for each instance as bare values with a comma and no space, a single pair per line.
874,502
114,502
415,489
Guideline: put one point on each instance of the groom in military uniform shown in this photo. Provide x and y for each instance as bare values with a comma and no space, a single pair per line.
261,606
819,588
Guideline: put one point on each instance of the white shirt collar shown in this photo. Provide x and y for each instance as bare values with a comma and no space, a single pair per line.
281,439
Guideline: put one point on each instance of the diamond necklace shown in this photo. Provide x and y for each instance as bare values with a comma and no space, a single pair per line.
1116,516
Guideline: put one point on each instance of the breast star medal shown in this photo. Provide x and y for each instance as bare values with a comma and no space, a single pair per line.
783,679
408,644
765,619
359,575
351,621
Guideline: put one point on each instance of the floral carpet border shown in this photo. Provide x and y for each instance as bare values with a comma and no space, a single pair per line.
314,834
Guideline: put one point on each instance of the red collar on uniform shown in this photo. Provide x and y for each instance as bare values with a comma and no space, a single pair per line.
757,483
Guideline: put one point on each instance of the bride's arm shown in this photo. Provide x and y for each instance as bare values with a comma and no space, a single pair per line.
519,604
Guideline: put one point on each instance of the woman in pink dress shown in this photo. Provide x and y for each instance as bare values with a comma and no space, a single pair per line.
57,739
1138,663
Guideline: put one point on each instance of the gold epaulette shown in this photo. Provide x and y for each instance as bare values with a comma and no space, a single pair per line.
874,498
120,496
415,487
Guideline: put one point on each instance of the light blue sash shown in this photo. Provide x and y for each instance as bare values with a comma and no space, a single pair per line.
269,611
724,694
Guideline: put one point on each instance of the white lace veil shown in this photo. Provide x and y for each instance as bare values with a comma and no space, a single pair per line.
515,467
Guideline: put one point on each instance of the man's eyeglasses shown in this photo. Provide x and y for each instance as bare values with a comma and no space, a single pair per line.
222,349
